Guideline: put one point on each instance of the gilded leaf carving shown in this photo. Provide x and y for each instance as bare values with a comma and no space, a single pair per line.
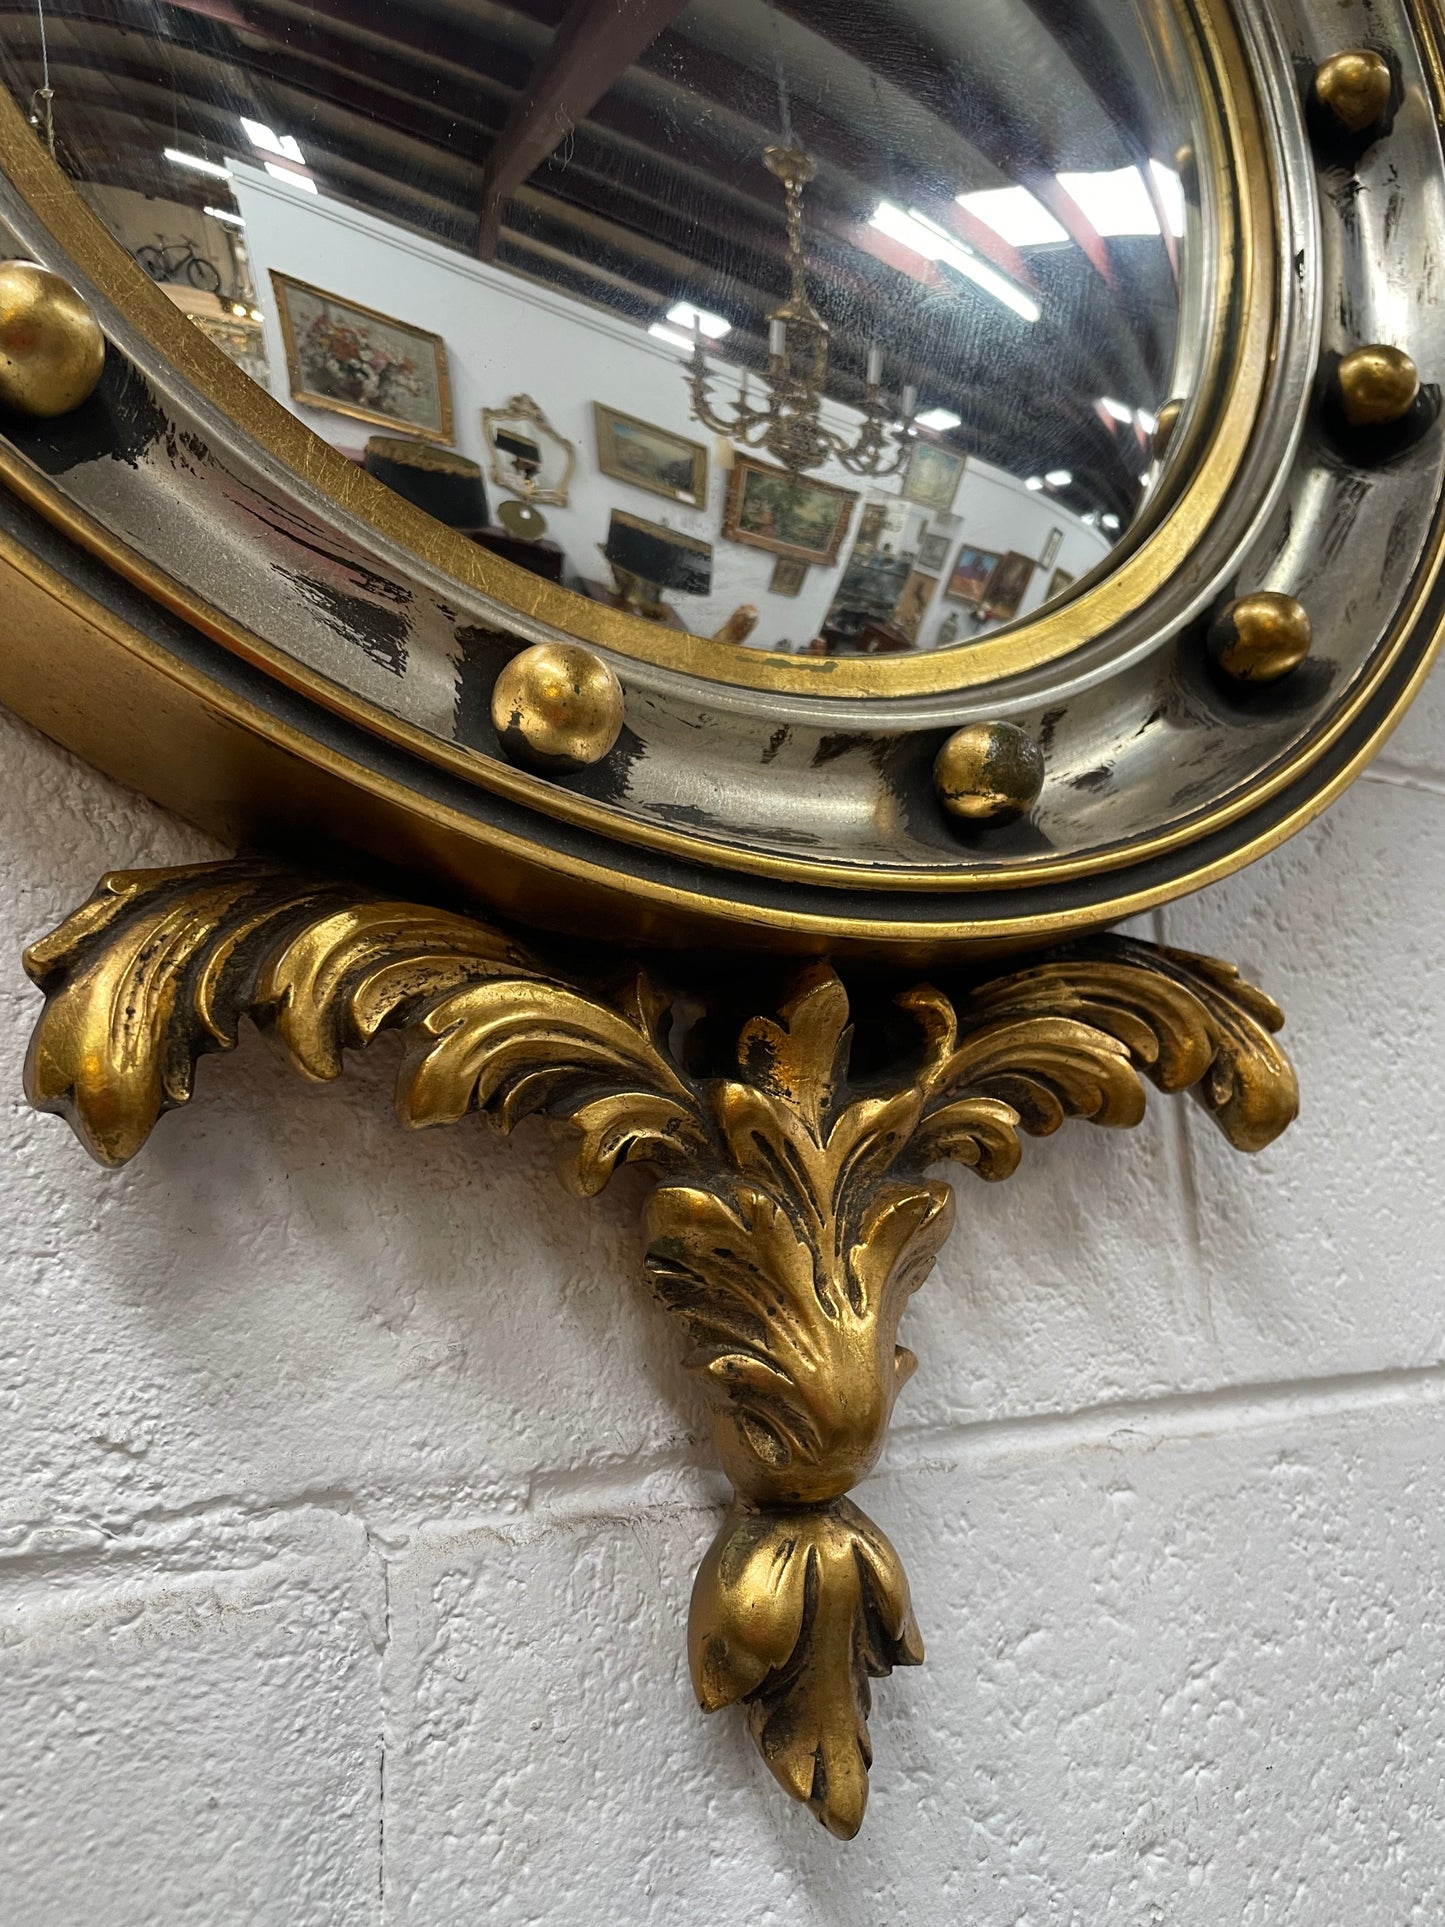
793,1215
794,1613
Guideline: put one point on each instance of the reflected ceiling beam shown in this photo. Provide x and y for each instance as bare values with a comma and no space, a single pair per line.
1072,219
599,178
879,41
1081,32
424,100
221,10
594,47
440,65
425,94
405,133
713,81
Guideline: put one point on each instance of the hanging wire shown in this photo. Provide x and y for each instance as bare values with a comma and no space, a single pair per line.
785,104
43,99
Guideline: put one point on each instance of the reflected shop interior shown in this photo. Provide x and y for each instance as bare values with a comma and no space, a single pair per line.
816,329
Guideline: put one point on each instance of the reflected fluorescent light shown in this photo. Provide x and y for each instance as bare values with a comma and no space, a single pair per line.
1171,193
1019,217
925,237
940,420
197,166
1035,485
267,141
660,331
1147,420
1111,523
711,325
1120,411
303,181
1116,204
1059,478
225,217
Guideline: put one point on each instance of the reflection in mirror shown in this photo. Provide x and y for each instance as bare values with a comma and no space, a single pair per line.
822,326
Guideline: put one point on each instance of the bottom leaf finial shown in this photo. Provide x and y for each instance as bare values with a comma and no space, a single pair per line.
793,1613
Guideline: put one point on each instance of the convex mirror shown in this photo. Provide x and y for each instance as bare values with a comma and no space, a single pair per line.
854,325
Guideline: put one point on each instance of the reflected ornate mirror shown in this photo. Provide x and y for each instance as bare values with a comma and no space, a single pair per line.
993,486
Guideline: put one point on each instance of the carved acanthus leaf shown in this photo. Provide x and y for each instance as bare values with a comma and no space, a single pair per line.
794,1219
802,1059
794,1613
1188,1023
160,967
154,972
1074,1037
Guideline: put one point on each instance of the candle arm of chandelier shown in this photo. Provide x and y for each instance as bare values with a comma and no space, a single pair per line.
864,457
790,396
743,419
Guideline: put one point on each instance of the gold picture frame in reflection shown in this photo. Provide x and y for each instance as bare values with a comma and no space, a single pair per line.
1060,580
1008,585
972,572
932,477
652,458
767,508
789,576
354,361
913,604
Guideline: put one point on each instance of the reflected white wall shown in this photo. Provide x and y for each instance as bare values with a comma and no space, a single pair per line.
506,336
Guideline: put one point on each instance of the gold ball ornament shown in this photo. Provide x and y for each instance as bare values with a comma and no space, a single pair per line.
557,708
1354,88
1378,386
989,773
1261,638
52,352
1170,416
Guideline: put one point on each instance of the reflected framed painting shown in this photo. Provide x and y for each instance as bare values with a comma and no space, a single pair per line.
767,508
932,477
1008,586
652,458
913,604
356,362
933,551
972,572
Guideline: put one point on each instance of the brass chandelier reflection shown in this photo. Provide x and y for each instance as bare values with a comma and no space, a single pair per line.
790,426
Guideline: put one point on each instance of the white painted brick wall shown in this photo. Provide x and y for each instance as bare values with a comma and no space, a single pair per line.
350,1492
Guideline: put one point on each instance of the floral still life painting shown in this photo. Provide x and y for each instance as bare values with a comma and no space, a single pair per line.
356,362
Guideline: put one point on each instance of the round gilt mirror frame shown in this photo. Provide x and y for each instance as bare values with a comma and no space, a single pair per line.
789,932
